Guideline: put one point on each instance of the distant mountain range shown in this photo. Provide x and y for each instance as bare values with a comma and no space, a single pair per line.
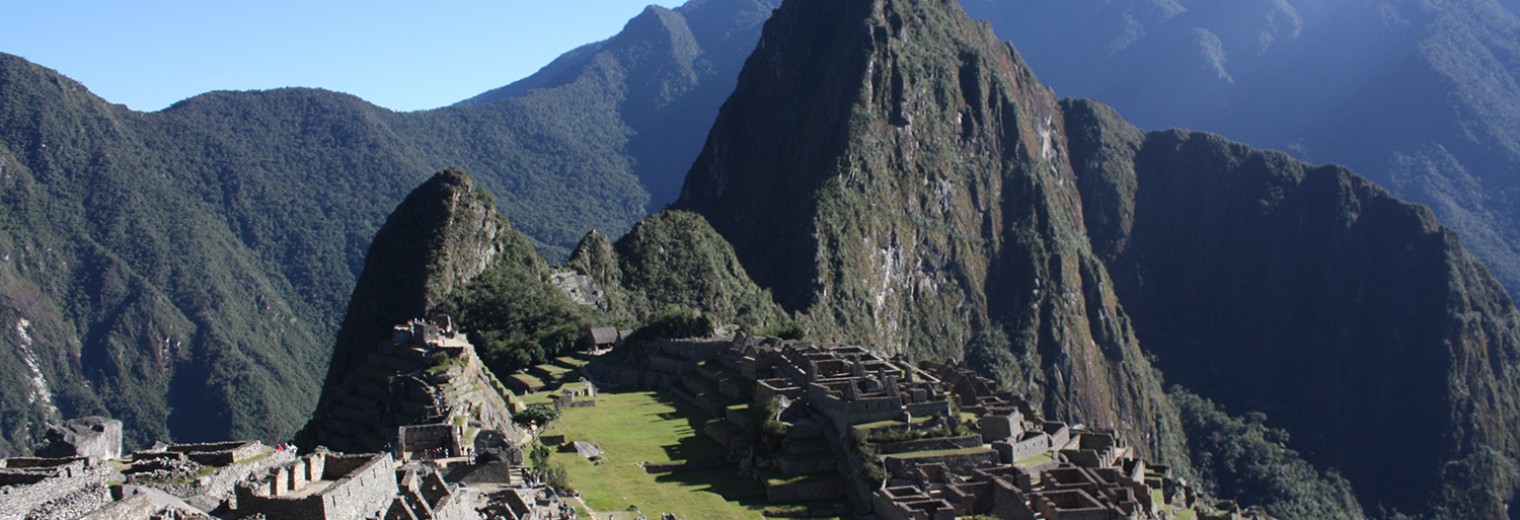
186,270
1422,97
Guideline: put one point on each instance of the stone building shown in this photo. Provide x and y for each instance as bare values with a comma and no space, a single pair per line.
53,487
322,485
424,374
1004,462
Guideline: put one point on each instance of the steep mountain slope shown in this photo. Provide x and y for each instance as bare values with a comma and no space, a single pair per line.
1354,320
674,259
894,172
114,299
442,237
1421,96
660,80
223,235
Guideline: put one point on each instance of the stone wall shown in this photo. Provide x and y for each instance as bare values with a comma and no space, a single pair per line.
1031,445
66,491
767,389
805,491
901,467
942,443
1060,435
362,485
218,453
93,437
417,439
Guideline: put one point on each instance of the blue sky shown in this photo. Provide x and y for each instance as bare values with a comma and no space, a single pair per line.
148,54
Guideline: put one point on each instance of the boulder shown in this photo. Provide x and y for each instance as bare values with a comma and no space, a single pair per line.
93,437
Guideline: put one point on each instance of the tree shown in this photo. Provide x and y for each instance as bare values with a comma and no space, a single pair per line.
991,354
536,416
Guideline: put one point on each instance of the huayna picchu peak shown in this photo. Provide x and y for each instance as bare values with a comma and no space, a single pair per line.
897,175
895,172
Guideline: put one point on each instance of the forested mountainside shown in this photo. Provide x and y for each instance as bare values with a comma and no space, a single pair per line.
1422,97
660,80
186,270
897,175
1352,319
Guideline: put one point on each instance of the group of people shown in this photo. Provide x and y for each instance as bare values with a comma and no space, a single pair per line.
286,446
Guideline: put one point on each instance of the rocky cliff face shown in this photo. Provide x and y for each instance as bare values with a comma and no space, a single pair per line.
440,238
1351,318
896,173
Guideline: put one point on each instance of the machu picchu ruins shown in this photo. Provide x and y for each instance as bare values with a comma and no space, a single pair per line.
818,430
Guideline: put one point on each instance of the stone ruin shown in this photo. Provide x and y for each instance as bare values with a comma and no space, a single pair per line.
35,487
995,457
432,441
322,485
424,374
91,437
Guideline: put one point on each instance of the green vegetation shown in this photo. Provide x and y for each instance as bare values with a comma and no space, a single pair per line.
536,416
1036,460
672,270
676,322
516,319
1247,461
635,427
776,478
185,270
882,435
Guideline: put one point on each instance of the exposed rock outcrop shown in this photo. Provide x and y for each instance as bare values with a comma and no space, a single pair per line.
90,437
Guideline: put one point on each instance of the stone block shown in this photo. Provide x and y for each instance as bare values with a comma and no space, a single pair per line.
93,437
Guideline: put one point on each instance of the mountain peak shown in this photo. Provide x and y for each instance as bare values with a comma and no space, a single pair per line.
444,234
895,173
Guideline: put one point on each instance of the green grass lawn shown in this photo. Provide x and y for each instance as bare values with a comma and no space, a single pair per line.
529,380
644,426
1177,513
1036,460
543,397
936,453
777,478
570,361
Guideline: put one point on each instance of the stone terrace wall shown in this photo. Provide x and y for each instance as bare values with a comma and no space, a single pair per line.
218,453
75,489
